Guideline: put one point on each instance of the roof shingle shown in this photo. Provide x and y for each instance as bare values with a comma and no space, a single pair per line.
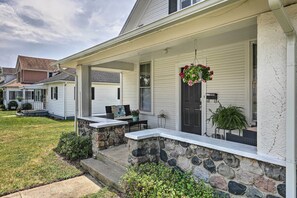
35,63
97,76
8,70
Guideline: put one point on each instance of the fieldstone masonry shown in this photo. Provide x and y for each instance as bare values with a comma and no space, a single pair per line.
230,175
102,138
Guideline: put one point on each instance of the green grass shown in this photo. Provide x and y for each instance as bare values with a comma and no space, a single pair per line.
27,158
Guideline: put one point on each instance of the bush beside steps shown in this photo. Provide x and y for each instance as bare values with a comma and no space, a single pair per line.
158,180
74,147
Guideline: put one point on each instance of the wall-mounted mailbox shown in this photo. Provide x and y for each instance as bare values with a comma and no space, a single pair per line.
212,96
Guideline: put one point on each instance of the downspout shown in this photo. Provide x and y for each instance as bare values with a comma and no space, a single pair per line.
283,19
76,95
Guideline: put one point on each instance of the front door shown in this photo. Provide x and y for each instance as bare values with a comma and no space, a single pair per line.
191,108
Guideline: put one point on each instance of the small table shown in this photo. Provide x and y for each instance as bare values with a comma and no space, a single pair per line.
139,122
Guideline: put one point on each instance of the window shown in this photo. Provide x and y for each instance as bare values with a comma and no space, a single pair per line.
145,87
93,93
175,5
29,95
54,93
50,74
14,95
119,93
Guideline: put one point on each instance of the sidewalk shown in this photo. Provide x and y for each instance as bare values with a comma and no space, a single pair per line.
74,188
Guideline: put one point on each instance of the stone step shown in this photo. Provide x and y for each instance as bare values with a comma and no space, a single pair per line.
118,154
106,171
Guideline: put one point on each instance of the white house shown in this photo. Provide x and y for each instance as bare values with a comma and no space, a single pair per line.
28,70
59,93
251,47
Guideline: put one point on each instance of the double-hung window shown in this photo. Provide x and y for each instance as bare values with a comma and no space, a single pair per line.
145,91
175,5
54,93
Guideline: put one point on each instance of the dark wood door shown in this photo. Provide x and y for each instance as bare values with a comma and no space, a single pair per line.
191,108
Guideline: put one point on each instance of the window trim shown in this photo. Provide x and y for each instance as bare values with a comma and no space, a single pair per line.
151,87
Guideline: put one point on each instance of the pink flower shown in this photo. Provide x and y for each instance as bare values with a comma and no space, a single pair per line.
193,75
186,67
190,83
208,68
211,72
196,81
182,75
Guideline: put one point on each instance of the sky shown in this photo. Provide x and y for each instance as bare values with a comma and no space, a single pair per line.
57,28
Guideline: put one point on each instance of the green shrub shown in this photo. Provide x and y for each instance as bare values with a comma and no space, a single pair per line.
74,147
26,106
157,180
12,105
2,107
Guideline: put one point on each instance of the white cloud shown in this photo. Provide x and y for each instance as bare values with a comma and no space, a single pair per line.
60,23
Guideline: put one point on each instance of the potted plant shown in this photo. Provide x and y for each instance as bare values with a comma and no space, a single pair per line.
135,115
196,73
228,118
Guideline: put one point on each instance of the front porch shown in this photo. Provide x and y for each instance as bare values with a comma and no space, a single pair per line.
249,72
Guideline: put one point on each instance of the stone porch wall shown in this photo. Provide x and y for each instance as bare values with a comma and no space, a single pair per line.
230,175
102,138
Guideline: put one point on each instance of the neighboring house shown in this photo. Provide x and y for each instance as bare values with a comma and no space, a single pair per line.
250,46
7,74
59,93
28,70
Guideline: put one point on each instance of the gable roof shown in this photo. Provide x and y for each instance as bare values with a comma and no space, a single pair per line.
97,76
133,17
7,71
33,63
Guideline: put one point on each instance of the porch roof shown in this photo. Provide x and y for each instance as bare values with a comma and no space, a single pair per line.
171,31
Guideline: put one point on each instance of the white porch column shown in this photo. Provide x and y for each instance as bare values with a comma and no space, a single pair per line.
275,73
84,90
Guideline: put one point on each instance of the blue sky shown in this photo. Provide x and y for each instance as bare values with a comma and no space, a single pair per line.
57,28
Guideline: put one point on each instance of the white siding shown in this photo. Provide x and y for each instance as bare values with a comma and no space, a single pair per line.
230,65
105,95
130,92
56,107
154,11
147,11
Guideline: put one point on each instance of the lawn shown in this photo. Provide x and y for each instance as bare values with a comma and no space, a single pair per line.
27,158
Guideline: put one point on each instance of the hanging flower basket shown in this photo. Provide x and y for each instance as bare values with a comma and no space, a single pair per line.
195,74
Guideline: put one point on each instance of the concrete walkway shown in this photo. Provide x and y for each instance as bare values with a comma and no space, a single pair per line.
74,188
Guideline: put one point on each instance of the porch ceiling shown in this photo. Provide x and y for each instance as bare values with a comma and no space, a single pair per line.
243,30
